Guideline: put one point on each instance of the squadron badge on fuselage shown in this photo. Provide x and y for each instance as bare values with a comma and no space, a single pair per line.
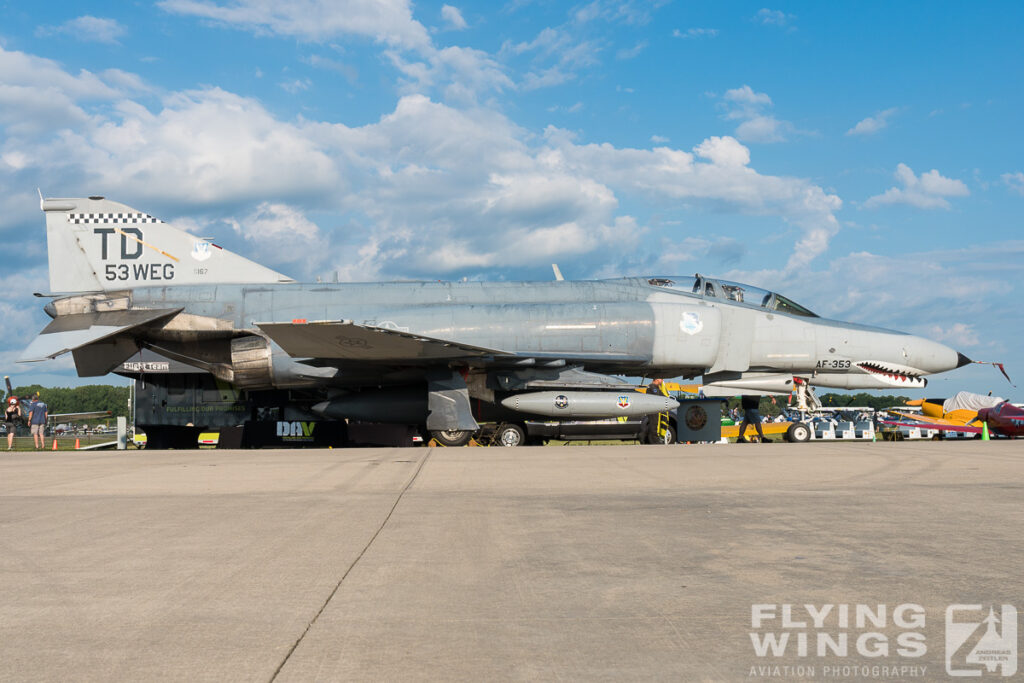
691,323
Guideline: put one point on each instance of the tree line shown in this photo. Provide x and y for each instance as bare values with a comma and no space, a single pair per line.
863,399
84,399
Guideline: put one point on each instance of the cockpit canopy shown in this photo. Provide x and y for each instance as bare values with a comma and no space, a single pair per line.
732,291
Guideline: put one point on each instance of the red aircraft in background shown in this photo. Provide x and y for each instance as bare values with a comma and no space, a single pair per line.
967,412
1005,418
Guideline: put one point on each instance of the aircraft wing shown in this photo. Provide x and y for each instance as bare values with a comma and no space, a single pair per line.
932,420
345,340
70,332
934,425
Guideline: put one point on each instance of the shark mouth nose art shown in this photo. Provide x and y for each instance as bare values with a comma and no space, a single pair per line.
894,375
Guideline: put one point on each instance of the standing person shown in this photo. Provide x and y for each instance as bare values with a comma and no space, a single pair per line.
12,416
656,425
37,415
751,415
657,386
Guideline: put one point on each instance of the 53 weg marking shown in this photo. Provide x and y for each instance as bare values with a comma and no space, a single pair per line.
131,248
139,271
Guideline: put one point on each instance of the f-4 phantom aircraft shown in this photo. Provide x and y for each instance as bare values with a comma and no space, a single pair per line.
439,354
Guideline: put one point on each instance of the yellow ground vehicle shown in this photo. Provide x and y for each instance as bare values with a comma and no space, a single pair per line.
790,431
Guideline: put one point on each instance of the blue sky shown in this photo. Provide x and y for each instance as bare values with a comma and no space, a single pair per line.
865,159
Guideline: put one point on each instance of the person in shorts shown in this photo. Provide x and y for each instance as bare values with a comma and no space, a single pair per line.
751,415
37,414
12,416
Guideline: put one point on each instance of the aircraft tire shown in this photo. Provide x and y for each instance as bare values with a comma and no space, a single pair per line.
509,435
451,437
652,439
798,432
670,436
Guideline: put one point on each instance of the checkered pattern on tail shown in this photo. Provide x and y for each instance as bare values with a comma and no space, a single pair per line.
137,217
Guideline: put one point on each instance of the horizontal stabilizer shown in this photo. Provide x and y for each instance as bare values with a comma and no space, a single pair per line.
345,340
70,332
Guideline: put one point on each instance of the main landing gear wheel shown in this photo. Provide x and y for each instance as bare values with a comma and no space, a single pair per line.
667,439
452,437
798,432
509,435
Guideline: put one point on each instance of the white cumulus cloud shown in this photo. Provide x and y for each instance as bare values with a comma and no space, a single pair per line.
956,296
632,52
753,111
453,17
458,74
716,176
283,232
386,21
1014,181
428,189
958,334
773,17
618,11
461,74
555,57
296,86
695,33
873,124
929,191
87,29
38,96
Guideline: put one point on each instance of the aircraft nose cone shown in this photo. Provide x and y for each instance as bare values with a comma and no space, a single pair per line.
930,356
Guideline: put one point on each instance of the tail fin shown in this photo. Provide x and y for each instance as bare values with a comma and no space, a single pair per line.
95,245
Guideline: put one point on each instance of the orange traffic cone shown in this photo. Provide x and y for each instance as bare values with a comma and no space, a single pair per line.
55,444
76,444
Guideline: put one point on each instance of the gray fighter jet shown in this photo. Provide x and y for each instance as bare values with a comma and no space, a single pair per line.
443,354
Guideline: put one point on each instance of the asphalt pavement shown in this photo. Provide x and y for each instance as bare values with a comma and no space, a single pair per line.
584,563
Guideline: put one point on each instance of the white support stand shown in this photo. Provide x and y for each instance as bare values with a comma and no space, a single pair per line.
122,433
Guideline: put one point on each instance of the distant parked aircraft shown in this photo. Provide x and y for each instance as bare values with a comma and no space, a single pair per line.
966,412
